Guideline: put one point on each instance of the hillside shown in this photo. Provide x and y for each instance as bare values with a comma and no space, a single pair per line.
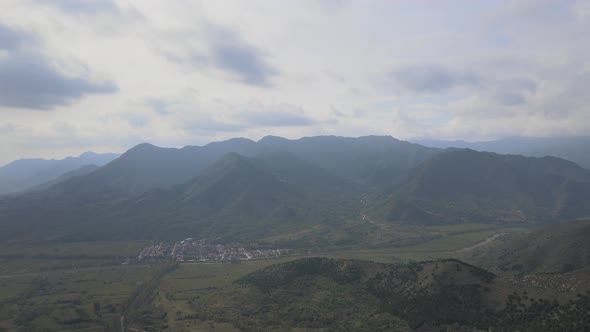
234,198
352,295
326,184
468,186
558,248
146,167
24,174
375,160
86,169
573,148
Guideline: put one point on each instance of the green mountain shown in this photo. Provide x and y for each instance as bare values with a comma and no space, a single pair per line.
278,187
146,167
468,186
574,148
350,295
234,198
375,160
24,174
86,169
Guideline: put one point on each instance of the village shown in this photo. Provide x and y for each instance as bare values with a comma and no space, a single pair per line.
193,250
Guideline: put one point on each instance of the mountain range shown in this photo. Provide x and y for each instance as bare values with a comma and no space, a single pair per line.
244,190
462,185
24,174
573,148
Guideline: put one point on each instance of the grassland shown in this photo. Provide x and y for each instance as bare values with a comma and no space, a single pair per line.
74,300
83,286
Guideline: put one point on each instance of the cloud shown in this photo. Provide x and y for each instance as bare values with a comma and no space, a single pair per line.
158,105
11,39
513,92
430,78
206,124
136,120
29,81
281,115
228,52
275,119
86,7
7,128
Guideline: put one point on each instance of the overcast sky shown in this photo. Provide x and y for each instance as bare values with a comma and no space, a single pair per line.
105,75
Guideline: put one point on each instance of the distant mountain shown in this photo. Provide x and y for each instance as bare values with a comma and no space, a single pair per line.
462,185
241,189
25,174
558,248
86,169
146,167
576,149
235,197
375,160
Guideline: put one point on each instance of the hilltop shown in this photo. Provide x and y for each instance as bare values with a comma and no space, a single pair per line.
352,295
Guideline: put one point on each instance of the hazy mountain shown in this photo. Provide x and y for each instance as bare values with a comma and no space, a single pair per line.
376,160
236,196
241,188
146,167
576,149
230,196
462,185
373,160
86,169
24,174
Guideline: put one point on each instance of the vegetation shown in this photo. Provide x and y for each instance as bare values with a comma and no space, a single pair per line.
380,230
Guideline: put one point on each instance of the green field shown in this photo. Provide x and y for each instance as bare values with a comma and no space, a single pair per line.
84,286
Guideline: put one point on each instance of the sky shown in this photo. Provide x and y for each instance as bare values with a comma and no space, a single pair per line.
105,75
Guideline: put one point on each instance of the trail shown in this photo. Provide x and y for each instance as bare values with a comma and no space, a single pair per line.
364,216
393,251
479,244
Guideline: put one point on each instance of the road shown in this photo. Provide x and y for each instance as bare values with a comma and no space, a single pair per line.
479,244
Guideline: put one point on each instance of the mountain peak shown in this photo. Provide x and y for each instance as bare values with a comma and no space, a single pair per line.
272,139
142,147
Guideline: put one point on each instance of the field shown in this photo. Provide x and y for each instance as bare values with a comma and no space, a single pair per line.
84,286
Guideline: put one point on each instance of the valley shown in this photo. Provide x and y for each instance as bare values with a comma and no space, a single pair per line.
64,289
294,166
332,233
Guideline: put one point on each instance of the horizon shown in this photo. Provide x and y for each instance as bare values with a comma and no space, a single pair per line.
415,141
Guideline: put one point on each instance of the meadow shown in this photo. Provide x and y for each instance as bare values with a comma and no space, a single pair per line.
85,286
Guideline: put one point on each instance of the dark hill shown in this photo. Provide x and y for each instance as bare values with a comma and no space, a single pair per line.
558,248
242,197
86,169
24,174
469,186
235,198
376,160
352,295
574,148
147,166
